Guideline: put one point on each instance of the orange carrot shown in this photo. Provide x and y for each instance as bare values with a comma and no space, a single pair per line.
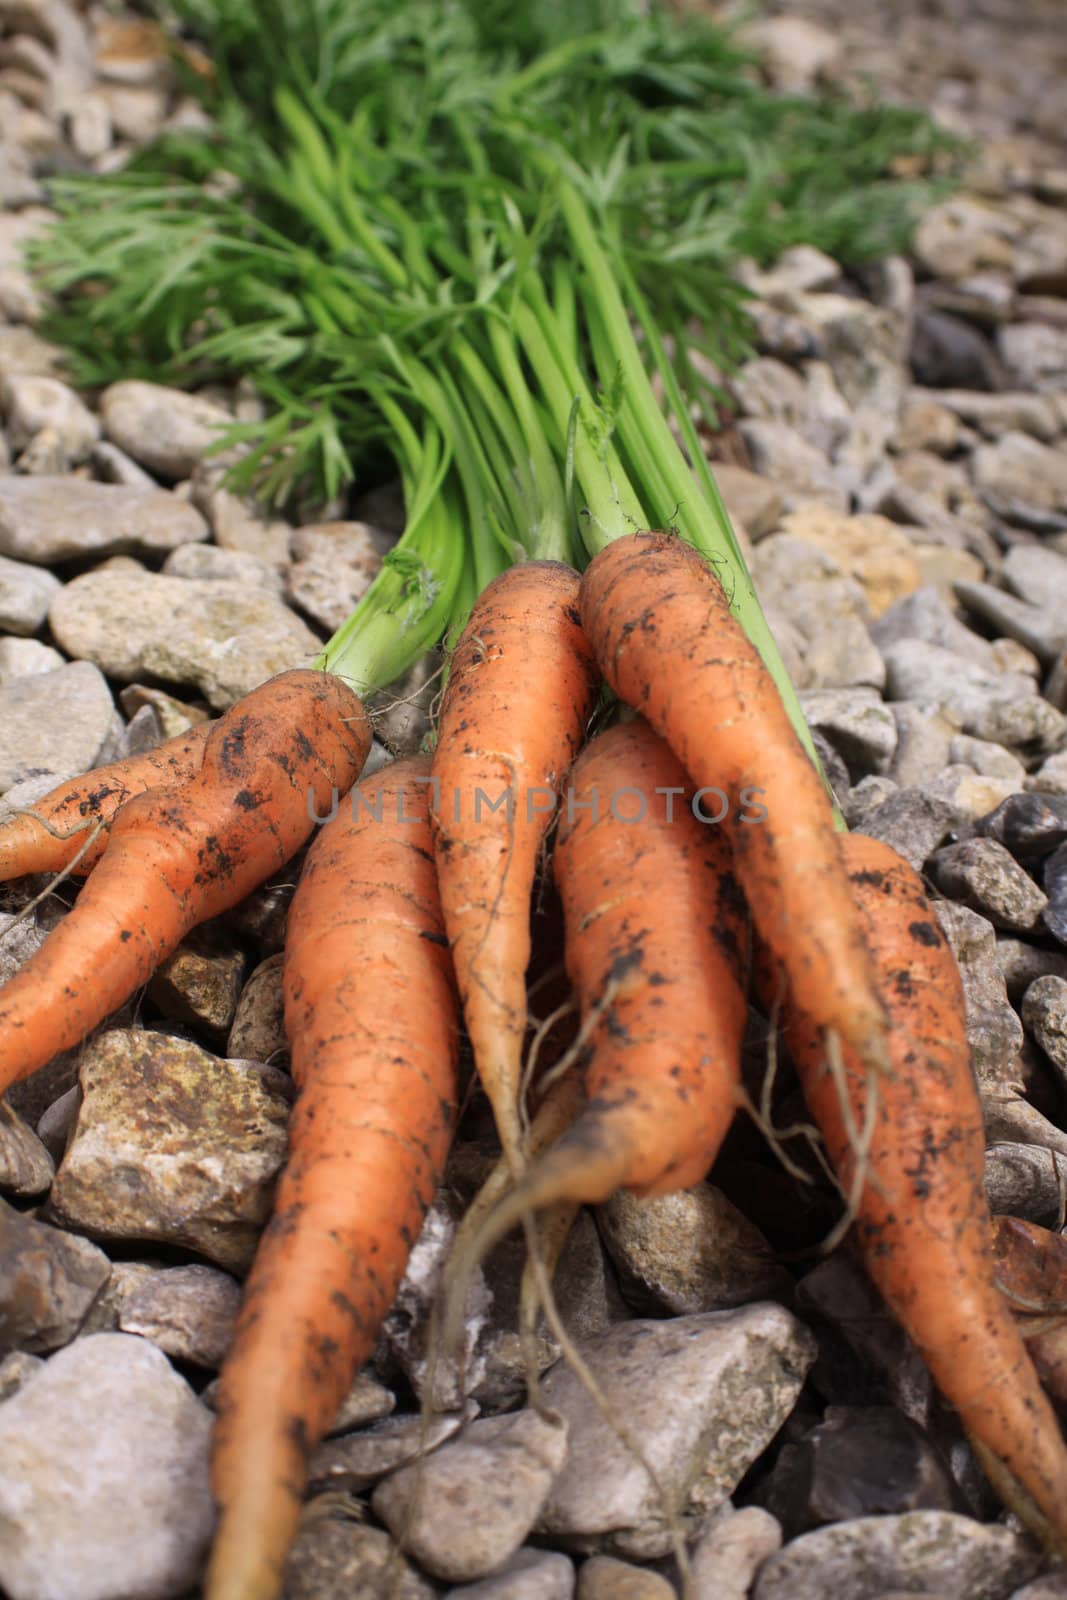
371,1012
47,836
178,855
520,693
657,952
662,632
922,1220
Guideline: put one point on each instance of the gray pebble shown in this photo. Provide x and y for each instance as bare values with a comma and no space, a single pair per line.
924,739
355,1460
993,1029
925,615
1035,354
207,563
1012,411
20,658
48,1281
53,724
1018,475
678,1386
529,1575
25,595
1022,962
163,429
1054,877
857,724
171,1145
1044,1013
1002,707
56,1123
112,465
104,1486
334,564
952,1556
223,637
51,519
258,1029
335,1556
188,1312
26,1168
828,609
1040,629
1023,1180
981,874
800,471
468,1507
987,759
912,822
1030,825
33,403
730,1554
605,1578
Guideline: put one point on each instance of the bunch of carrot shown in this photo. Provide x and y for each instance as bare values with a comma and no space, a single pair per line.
414,906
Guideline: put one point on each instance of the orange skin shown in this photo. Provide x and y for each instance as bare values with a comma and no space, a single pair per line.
663,635
178,855
71,809
520,692
656,937
372,1016
923,1221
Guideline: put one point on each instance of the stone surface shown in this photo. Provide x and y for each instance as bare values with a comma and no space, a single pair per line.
1030,825
981,874
730,1554
605,1578
258,1029
222,637
1018,472
468,1507
32,404
207,563
171,1144
912,822
688,1252
1022,1180
188,1312
334,564
104,1486
529,1575
870,549
754,501
25,595
53,724
1044,1013
800,471
1021,962
859,726
200,983
163,429
926,615
48,1281
335,1556
355,1460
949,1555
50,519
19,658
703,1394
993,1029
924,742
1001,707
827,609
1035,356
26,1167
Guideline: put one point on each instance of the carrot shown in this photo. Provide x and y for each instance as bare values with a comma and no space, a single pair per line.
47,836
372,1016
922,1220
657,952
662,632
519,695
178,855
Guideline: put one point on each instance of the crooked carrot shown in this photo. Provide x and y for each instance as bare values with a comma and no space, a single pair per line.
371,1013
178,855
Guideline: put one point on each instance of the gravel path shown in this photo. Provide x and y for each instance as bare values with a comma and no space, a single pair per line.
894,459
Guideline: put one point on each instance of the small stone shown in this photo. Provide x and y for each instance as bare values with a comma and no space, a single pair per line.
987,759
726,1560
90,127
1029,825
199,983
1035,355
187,1312
173,716
25,595
914,823
26,1168
337,1557
112,465
1001,707
926,615
927,425
223,637
827,608
353,1461
1044,1013
963,235
688,1252
1022,962
750,499
56,1123
207,563
1051,775
1054,876
1007,412
605,1578
924,739
1022,1180
1018,473
704,1394
104,1487
171,1145
258,1030
981,874
948,353
15,1370
334,564
994,1032
971,795
51,519
408,1332
163,429
800,471
20,658
467,1508
796,53
857,724
367,1400
859,1461
48,1281
799,270
870,549
53,724
529,1575
951,1556
240,523
33,403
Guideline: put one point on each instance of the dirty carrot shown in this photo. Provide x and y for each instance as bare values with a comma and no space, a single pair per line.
520,692
179,854
922,1220
656,942
372,1016
663,635
49,834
